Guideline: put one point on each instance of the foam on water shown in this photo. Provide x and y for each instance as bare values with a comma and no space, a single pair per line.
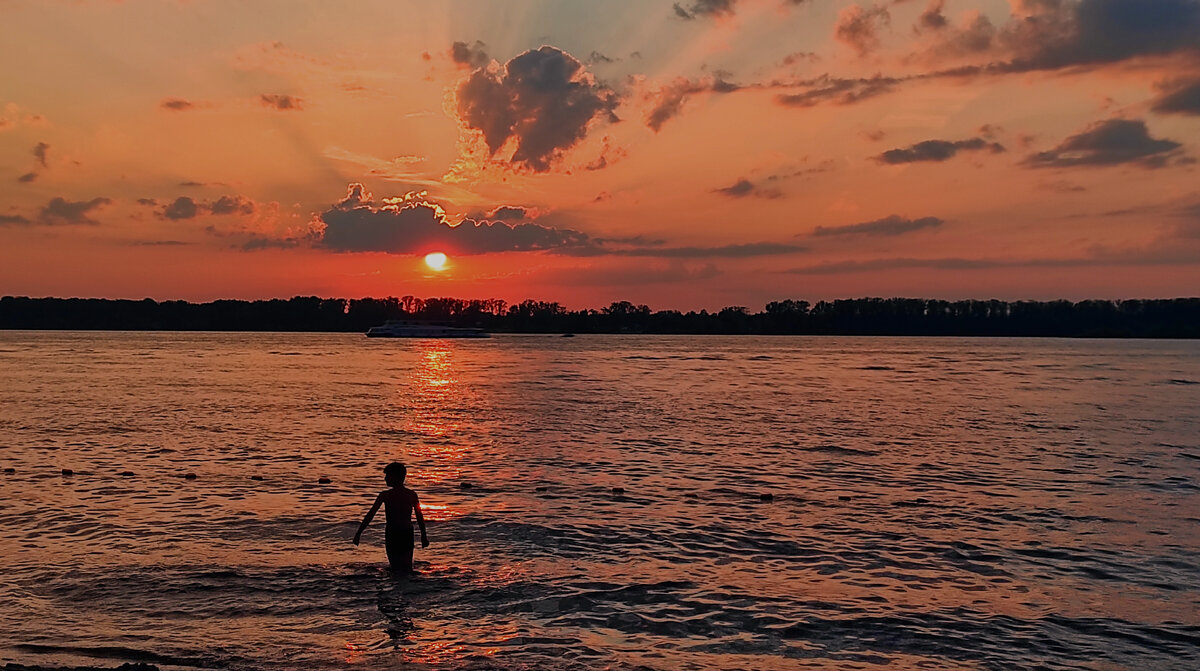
635,502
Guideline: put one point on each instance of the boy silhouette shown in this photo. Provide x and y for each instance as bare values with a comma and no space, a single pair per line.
399,503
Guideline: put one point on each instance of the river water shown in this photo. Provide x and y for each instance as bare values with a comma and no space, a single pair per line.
934,503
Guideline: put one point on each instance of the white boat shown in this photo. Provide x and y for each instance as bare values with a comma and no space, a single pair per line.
400,328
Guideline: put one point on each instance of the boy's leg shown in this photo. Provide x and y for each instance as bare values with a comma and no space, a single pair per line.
400,549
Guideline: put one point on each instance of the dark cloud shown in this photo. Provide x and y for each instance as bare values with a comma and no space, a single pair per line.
800,57
838,91
932,18
937,150
744,187
859,28
232,205
746,250
182,208
1061,186
1109,142
597,57
840,267
670,99
185,207
176,104
39,152
700,8
541,103
1179,97
415,225
470,55
61,211
1057,34
13,219
27,177
511,213
716,8
280,102
888,226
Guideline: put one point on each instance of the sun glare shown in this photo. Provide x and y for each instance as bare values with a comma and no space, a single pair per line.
435,260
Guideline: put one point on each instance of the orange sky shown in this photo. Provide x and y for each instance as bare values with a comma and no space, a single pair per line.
710,153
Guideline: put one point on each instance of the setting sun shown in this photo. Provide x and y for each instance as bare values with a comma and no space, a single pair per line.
436,260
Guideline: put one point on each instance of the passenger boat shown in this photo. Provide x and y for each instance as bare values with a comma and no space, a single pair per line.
400,328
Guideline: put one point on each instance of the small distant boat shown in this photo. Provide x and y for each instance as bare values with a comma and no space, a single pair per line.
568,335
399,328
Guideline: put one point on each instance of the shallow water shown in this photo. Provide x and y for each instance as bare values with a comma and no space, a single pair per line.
937,503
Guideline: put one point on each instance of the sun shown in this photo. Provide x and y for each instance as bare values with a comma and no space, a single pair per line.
435,260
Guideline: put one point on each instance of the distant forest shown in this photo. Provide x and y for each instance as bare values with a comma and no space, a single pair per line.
1158,318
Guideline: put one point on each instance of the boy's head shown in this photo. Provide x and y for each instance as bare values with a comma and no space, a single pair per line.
394,474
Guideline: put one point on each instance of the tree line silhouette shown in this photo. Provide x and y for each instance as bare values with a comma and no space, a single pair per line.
1154,318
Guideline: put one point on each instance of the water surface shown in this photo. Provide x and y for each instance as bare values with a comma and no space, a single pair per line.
935,503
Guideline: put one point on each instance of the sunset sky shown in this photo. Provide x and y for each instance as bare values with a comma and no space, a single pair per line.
690,155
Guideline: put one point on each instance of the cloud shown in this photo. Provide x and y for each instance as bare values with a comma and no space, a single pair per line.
1179,97
716,8
1058,34
414,224
60,211
670,99
176,104
469,55
13,219
838,91
888,226
705,8
540,104
27,177
39,152
937,150
280,102
182,208
932,18
185,207
744,187
858,28
512,213
745,250
1109,142
232,205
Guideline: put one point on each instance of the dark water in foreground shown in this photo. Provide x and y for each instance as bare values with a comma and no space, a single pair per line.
938,503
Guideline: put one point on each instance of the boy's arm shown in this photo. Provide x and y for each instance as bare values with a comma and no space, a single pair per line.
420,520
367,520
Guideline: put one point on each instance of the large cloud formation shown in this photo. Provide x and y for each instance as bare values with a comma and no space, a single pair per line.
1056,34
1109,142
539,104
414,224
